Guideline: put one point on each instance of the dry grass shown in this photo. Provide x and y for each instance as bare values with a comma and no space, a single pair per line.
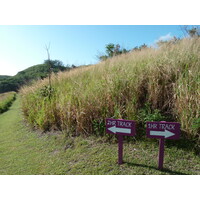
168,79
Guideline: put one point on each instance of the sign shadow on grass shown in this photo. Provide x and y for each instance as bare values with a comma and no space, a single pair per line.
151,167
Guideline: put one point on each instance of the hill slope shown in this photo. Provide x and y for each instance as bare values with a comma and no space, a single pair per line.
3,77
151,84
32,73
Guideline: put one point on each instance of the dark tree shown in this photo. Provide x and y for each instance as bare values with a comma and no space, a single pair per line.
191,31
110,49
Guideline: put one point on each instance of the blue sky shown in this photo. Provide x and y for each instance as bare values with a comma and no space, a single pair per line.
24,46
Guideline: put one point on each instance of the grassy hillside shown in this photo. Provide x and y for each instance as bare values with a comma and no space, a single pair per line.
4,77
32,73
151,84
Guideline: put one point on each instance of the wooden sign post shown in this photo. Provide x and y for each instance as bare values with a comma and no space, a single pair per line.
120,127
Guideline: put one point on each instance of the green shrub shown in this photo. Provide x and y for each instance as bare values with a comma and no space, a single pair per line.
196,125
46,91
147,114
6,100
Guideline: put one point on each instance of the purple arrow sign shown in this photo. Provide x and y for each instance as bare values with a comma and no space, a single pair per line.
167,130
120,127
163,130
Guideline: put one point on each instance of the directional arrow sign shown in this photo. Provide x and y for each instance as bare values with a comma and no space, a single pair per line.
120,127
114,129
168,130
163,130
164,133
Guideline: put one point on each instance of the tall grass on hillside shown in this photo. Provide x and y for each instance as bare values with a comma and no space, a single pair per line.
151,84
6,100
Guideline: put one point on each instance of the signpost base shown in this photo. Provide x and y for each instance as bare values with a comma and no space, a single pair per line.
161,153
120,149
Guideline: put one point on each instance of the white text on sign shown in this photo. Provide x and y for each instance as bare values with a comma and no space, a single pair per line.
162,126
120,123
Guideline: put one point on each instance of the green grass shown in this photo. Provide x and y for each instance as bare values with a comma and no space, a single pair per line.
25,152
6,100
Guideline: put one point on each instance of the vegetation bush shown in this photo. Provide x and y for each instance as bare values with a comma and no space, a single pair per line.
6,100
167,79
2,77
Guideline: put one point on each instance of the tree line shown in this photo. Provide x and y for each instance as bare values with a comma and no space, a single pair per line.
115,49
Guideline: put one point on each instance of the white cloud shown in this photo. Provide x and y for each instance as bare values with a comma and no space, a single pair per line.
165,37
162,38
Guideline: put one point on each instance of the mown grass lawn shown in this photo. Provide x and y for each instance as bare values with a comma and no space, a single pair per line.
25,152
